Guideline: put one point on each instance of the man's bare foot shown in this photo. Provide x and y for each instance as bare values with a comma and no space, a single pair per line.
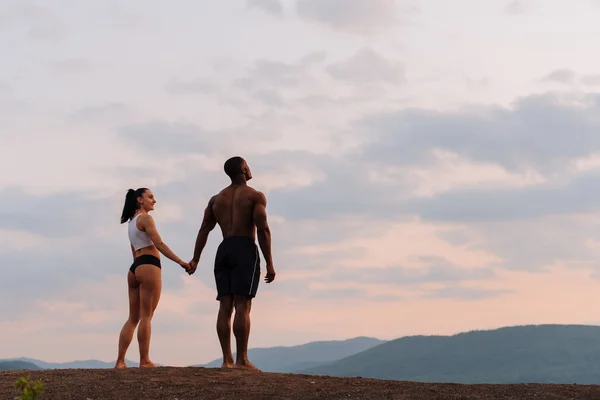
120,364
228,365
246,365
147,364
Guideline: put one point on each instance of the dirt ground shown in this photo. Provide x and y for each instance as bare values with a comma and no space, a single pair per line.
172,383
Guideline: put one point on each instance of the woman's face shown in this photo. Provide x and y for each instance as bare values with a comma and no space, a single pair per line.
147,201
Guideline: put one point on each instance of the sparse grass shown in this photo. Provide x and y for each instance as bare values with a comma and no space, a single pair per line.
31,390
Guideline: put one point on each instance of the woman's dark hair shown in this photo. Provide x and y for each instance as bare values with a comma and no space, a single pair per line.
131,204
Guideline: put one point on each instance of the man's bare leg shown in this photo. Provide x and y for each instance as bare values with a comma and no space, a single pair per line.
241,330
224,329
150,288
128,329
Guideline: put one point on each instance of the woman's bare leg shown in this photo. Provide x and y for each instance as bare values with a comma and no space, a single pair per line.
150,280
128,329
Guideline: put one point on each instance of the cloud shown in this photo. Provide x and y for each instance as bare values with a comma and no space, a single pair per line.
361,16
40,23
430,270
515,7
196,86
544,132
570,77
165,138
270,97
4,88
465,293
574,196
110,113
59,215
272,74
590,80
474,164
564,75
367,66
315,57
273,7
74,65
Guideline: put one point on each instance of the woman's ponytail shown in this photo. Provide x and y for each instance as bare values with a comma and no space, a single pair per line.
131,204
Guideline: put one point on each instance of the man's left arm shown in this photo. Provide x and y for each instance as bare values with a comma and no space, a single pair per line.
208,224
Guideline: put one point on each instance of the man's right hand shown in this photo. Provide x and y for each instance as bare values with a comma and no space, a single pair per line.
193,265
270,277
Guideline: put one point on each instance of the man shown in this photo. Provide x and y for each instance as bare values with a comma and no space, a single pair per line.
240,211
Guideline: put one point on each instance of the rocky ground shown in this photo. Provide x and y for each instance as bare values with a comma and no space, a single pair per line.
170,383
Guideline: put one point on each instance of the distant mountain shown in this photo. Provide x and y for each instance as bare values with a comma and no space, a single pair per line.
84,364
294,358
17,365
522,354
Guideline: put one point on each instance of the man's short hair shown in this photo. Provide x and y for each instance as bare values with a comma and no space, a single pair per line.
233,166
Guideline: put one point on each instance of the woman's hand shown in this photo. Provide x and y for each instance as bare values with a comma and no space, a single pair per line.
185,266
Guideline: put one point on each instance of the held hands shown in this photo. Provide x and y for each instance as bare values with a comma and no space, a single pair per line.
270,277
187,266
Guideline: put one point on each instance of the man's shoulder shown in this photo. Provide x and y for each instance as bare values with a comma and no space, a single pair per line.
258,196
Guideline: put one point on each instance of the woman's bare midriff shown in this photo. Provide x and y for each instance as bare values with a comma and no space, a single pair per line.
150,250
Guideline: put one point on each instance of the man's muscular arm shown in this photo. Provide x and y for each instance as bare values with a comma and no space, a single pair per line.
208,224
264,233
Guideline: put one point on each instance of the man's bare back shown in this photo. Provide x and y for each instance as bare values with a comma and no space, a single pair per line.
240,211
233,208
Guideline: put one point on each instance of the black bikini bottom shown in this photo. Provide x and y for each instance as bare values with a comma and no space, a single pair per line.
144,259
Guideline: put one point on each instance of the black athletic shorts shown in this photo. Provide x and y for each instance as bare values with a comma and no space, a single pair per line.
237,267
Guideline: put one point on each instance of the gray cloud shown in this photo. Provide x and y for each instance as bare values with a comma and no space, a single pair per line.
541,131
465,293
196,86
515,7
111,113
563,75
122,16
473,205
345,191
368,66
270,97
316,57
57,215
40,23
353,15
273,7
70,66
273,74
159,137
568,76
437,271
4,88
591,80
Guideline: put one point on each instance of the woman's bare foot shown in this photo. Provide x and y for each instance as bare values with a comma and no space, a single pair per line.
246,365
120,364
147,364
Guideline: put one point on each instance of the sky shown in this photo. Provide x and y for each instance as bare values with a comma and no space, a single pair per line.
431,167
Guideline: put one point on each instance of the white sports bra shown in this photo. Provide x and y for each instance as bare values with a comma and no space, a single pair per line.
139,239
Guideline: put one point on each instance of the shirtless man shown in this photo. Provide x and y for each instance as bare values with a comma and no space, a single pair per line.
240,211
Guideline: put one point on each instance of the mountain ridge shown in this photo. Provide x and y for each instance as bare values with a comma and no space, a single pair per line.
547,353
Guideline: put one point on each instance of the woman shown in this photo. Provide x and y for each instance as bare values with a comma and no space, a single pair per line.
144,276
